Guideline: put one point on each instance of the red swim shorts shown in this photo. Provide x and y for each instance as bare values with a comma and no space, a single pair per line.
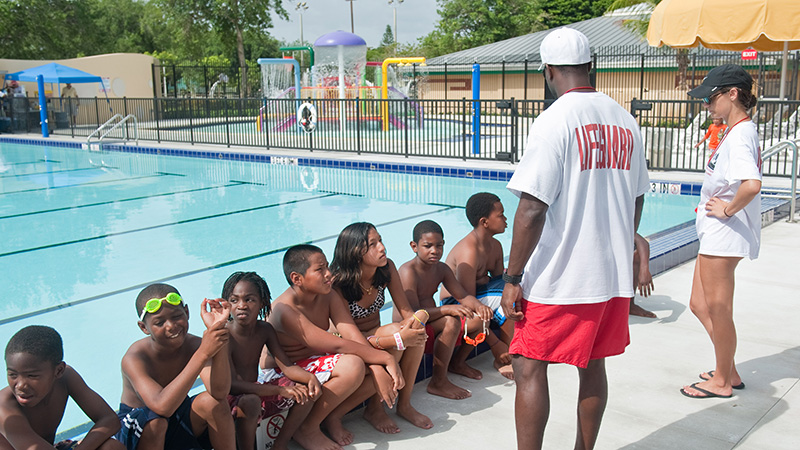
572,334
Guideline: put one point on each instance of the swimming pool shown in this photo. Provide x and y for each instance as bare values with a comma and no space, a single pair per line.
84,232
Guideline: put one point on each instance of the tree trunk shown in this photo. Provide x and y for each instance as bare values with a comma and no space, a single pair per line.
682,58
243,88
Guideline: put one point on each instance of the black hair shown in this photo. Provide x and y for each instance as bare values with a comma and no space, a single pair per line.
351,245
426,226
38,340
297,259
479,206
258,282
156,290
577,69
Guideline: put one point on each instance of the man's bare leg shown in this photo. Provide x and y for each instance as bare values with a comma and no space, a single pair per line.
636,310
532,402
592,399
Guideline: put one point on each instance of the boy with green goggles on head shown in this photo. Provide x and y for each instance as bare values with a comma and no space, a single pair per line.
159,371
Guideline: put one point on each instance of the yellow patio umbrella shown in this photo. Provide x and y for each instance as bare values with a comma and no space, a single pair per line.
764,25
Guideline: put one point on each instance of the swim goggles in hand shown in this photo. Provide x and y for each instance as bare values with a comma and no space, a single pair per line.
479,338
154,304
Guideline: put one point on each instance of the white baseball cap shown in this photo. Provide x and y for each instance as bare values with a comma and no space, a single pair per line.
565,47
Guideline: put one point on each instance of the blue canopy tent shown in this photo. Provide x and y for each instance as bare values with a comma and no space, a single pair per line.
54,73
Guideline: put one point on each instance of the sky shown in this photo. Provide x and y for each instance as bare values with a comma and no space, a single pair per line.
415,18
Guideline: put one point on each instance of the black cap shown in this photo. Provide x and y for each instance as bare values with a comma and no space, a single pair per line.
726,75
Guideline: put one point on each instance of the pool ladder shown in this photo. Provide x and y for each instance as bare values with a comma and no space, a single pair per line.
114,123
779,148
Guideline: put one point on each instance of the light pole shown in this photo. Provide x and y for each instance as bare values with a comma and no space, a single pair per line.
301,8
398,3
352,26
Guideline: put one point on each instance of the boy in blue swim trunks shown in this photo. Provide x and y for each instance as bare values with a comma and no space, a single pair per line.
39,385
421,278
477,261
158,372
251,401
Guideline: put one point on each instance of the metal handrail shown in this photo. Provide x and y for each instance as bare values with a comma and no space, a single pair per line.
774,150
121,121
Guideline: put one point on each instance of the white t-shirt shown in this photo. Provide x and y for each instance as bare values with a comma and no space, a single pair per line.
738,157
584,158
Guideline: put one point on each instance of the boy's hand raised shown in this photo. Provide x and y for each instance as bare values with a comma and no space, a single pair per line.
213,311
214,338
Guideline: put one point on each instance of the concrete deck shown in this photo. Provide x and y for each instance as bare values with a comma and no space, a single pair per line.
645,409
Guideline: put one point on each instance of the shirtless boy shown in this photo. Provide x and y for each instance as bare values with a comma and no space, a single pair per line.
250,401
39,384
421,278
158,371
302,316
477,261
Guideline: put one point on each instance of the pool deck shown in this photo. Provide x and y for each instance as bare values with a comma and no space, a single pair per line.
645,409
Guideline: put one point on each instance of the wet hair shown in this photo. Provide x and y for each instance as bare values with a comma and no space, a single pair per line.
258,282
479,206
156,290
351,245
40,341
426,226
297,259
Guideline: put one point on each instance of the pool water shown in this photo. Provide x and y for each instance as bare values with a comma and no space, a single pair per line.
84,232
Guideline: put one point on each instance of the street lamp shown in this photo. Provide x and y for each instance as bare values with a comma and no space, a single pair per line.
398,3
352,26
301,8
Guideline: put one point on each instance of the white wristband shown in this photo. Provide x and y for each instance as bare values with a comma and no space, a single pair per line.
399,341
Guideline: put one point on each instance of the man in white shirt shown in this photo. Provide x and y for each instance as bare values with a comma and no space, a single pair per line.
581,184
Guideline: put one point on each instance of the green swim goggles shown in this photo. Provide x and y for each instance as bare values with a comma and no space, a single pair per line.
154,304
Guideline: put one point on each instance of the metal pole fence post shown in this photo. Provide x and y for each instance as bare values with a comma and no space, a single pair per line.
525,89
445,80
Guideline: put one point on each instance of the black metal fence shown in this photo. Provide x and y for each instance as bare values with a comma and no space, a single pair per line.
456,128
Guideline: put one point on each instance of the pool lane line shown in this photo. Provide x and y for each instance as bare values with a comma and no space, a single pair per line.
33,162
84,184
197,271
56,171
163,225
163,194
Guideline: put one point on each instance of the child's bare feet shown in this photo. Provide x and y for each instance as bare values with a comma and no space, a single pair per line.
311,438
444,388
465,370
504,369
415,417
637,310
380,420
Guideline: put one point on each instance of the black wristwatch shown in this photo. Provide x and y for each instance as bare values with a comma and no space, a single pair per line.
512,279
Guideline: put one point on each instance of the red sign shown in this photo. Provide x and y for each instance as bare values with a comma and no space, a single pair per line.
749,54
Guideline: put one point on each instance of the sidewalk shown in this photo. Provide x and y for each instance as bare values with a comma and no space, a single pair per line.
645,409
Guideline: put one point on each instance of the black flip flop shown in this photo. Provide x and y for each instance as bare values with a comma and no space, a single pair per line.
739,386
708,394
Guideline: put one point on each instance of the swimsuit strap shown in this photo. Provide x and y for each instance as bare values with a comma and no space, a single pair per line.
359,313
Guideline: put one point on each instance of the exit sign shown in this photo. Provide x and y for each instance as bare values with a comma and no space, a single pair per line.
749,54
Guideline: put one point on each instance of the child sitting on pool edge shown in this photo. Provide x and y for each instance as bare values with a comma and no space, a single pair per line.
301,316
39,385
477,261
159,371
250,401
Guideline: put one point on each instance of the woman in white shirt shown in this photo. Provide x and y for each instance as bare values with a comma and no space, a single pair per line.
728,222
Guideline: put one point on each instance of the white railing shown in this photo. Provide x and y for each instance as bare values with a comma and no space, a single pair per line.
778,148
112,124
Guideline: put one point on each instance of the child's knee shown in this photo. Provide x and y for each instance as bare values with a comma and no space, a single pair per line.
207,406
113,444
155,429
249,406
349,367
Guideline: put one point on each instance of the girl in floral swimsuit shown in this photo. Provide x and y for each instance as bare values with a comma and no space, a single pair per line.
362,273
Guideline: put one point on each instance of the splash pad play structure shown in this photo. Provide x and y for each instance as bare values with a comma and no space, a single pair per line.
335,84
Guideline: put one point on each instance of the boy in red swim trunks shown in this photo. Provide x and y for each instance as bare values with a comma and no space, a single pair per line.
251,401
302,316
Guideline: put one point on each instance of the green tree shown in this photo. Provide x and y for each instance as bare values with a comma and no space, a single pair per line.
388,37
232,19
